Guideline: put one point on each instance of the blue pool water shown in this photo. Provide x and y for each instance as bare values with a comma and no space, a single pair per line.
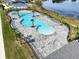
44,27
67,7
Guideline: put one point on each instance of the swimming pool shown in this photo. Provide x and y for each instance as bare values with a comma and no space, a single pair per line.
44,28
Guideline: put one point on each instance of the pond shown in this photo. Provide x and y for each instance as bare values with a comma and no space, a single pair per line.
65,7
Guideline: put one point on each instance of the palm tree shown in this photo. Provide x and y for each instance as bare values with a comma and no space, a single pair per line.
18,13
33,13
17,10
32,22
38,27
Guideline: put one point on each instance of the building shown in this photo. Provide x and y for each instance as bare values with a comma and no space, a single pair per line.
18,0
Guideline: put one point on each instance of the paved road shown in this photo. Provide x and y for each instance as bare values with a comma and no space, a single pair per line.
2,51
69,51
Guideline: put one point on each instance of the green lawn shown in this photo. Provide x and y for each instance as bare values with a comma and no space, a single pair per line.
13,48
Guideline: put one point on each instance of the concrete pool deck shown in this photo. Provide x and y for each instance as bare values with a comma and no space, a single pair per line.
44,44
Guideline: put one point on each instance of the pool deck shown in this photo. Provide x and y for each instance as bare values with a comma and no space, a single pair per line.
44,45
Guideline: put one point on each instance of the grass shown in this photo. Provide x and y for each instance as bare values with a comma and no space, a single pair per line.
13,48
72,23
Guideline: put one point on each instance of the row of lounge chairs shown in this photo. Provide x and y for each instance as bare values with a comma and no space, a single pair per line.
29,39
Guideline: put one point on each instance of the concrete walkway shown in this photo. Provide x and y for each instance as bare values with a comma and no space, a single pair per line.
2,51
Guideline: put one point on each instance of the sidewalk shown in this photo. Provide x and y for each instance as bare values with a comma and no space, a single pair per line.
2,51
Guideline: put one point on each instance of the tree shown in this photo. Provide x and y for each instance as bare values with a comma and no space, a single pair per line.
2,7
33,13
17,10
38,27
32,20
1,1
18,35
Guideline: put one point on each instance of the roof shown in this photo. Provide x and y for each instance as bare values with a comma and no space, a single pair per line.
21,0
69,51
15,0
